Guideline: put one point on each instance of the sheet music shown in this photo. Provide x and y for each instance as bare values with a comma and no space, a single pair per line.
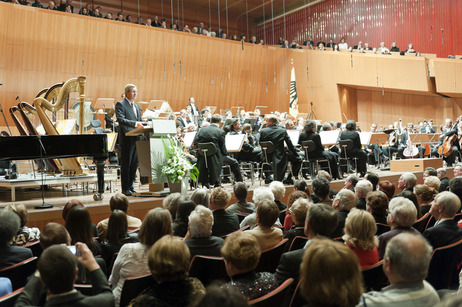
365,137
65,126
329,137
294,137
234,142
188,139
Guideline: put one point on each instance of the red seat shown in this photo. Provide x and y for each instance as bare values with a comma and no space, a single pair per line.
275,297
297,300
269,258
444,269
298,243
421,223
9,299
208,268
236,231
133,286
373,277
19,272
35,247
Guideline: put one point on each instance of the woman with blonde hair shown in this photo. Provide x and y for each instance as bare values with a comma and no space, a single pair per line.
425,195
330,275
360,229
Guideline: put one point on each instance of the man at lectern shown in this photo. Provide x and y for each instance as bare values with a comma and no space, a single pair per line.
129,117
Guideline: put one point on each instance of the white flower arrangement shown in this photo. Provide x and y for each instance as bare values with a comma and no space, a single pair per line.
177,165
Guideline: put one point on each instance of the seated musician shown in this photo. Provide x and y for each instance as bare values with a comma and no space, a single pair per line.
248,151
309,134
403,144
448,131
204,117
375,148
357,152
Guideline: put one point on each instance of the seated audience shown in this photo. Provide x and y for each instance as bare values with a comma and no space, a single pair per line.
330,275
374,179
458,170
429,171
57,267
172,202
218,296
133,257
292,198
279,191
259,194
424,196
324,174
386,187
360,229
432,182
300,185
68,208
363,187
442,176
321,190
321,221
242,253
9,226
406,261
199,237
242,206
180,224
377,205
350,182
444,207
25,234
116,235
224,222
401,216
455,186
411,196
267,235
78,224
406,181
344,201
168,261
118,201
201,197
394,48
298,213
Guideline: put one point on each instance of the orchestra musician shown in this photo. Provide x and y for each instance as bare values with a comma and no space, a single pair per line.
404,142
129,117
204,117
310,134
375,148
448,131
248,151
357,152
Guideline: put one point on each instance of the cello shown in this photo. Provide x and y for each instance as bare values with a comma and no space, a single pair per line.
445,149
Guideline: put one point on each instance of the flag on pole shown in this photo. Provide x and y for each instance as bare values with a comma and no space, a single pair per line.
293,107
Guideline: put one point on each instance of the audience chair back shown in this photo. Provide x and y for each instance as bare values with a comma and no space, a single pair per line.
208,269
85,289
275,297
35,247
134,286
19,272
445,266
241,216
270,257
9,299
381,228
298,243
297,299
207,150
458,217
422,222
236,231
373,277
431,222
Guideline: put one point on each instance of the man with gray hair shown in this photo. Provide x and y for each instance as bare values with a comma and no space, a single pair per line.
9,226
362,188
402,214
199,237
259,194
128,115
406,181
344,201
406,263
444,207
458,170
441,174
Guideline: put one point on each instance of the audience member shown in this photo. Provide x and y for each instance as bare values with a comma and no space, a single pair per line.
9,226
455,186
118,201
360,229
215,295
406,181
259,194
350,182
321,189
374,179
241,252
363,187
442,176
444,207
78,224
279,191
132,259
401,216
406,261
224,222
57,267
424,196
300,185
201,197
199,237
330,275
68,208
168,261
458,170
298,213
432,182
25,234
171,203
266,234
386,187
411,196
377,205
292,198
344,201
429,171
180,224
242,206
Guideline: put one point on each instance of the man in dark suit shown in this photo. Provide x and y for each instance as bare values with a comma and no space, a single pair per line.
9,226
278,135
351,134
224,222
446,231
183,119
344,201
406,181
155,22
441,173
58,269
361,189
321,221
210,174
129,117
194,109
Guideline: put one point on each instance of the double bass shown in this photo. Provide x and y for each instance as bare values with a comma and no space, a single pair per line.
445,149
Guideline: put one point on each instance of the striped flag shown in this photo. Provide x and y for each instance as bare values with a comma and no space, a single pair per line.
293,107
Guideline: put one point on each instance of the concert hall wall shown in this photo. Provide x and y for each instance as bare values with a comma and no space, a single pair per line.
421,22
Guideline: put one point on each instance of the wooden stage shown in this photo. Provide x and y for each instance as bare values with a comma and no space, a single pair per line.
139,206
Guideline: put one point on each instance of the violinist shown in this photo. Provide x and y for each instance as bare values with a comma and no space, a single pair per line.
248,151
448,131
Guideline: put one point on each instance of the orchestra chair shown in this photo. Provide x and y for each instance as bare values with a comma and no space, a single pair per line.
444,269
308,147
247,166
275,297
267,149
9,299
422,222
207,150
96,125
298,243
208,269
347,145
20,272
35,247
133,286
374,278
297,299
269,258
236,231
382,228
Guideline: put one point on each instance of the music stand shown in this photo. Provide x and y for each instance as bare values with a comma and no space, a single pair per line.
188,139
294,137
104,103
365,137
329,138
234,142
250,121
155,105
378,138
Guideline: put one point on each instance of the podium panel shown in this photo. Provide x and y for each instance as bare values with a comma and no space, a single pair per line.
415,165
